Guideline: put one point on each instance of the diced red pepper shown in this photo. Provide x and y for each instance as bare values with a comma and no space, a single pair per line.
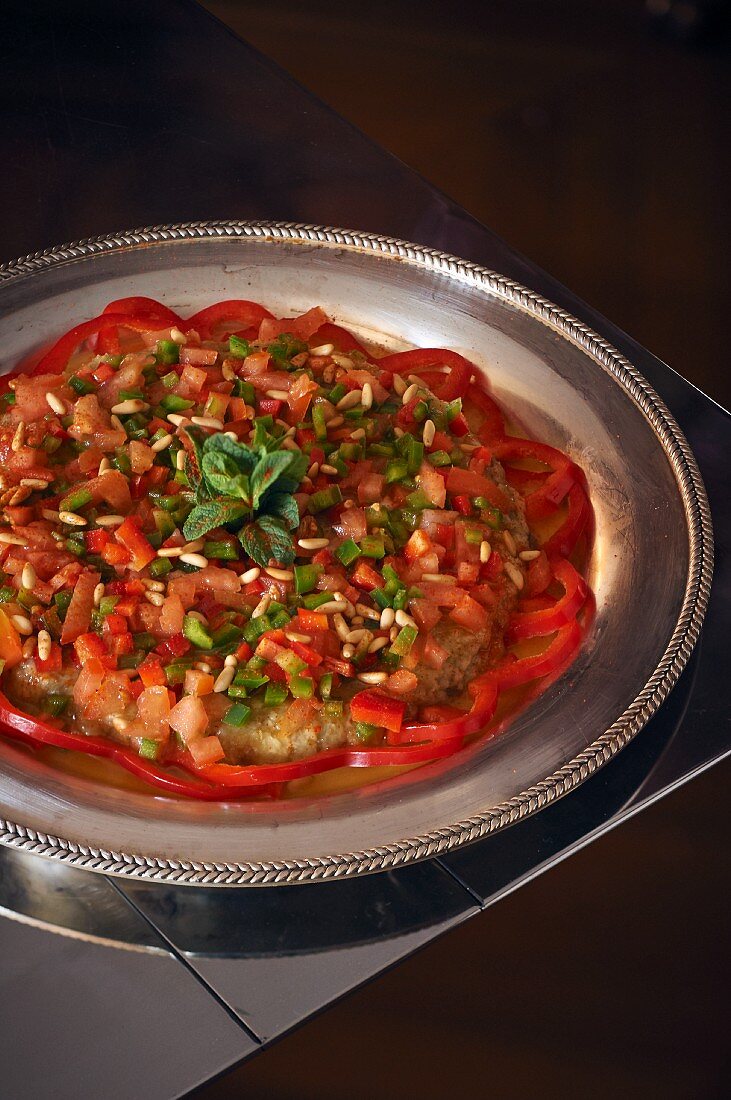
151,672
115,624
97,540
269,406
365,577
306,653
53,663
311,620
89,647
114,554
120,643
175,646
377,709
130,535
462,504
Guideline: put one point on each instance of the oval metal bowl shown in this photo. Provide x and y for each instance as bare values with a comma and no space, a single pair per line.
650,569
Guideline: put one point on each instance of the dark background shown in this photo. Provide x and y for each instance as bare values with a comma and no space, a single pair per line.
593,136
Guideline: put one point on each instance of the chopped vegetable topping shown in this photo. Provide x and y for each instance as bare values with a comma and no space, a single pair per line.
247,549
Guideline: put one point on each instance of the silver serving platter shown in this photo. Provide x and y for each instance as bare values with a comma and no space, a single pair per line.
650,570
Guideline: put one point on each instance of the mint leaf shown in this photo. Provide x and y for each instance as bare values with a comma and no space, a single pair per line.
193,441
222,475
283,505
214,513
244,457
267,539
289,481
265,473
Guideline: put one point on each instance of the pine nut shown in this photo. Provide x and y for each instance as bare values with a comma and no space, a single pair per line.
313,544
128,408
409,392
56,404
194,559
350,400
177,336
261,607
155,598
109,521
72,519
485,551
161,444
224,680
250,575
399,385
529,555
277,395
230,661
44,645
388,617
22,624
430,430
366,396
169,551
373,677
331,471
348,651
18,437
341,627
324,349
279,574
98,593
208,422
28,577
509,542
514,573
376,644
403,619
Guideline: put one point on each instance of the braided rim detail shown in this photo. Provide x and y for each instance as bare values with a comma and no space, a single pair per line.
646,703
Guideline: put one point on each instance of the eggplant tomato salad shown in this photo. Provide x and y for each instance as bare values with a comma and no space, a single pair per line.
237,550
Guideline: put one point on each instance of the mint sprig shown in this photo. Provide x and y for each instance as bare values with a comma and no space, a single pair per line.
247,489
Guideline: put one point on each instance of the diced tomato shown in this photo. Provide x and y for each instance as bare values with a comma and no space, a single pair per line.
189,718
470,615
103,372
434,655
89,680
153,713
462,504
206,751
90,647
459,425
172,614
115,555
402,682
370,488
120,644
377,709
78,615
176,646
432,484
197,682
468,572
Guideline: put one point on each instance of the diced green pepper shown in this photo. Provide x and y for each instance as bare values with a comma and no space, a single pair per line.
404,641
81,385
325,498
148,748
316,599
396,469
196,633
239,347
318,422
302,687
306,577
348,552
326,685
366,733
76,499
237,715
160,566
372,546
439,458
274,695
173,403
55,704
167,352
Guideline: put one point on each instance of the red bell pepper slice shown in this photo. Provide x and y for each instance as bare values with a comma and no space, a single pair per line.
377,709
344,341
468,483
492,427
578,521
234,314
451,385
521,670
34,731
472,721
533,624
562,473
54,361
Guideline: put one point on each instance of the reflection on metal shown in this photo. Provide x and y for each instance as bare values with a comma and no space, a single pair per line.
651,570
70,902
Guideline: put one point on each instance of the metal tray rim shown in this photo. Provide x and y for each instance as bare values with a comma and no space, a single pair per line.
645,704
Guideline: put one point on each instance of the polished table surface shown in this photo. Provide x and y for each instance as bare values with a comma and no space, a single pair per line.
126,114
